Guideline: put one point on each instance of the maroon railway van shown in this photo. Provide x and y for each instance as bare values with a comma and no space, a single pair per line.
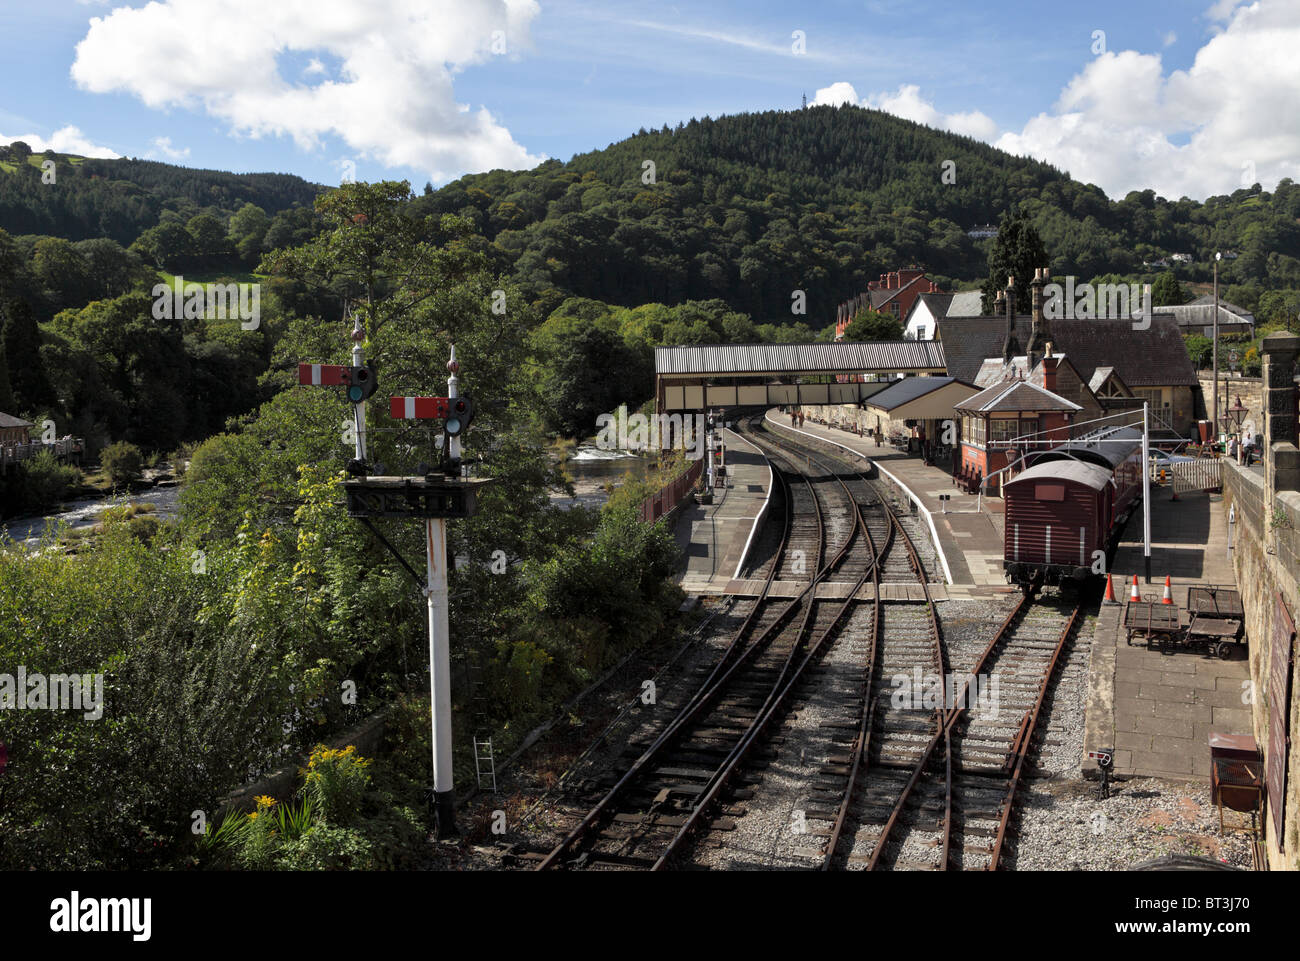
1058,514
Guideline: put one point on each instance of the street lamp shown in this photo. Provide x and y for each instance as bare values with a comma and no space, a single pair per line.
1214,417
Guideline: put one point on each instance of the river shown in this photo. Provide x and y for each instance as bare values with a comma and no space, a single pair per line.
589,468
85,511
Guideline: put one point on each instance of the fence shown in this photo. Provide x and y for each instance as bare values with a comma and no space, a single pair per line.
17,453
656,505
1202,474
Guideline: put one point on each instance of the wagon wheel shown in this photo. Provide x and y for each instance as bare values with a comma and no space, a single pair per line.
1224,650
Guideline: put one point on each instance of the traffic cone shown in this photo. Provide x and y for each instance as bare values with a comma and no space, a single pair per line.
1134,596
1110,592
1167,599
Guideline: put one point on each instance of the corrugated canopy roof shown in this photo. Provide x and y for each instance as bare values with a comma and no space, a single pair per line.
816,358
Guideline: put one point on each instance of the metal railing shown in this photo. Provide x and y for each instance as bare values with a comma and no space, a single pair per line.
17,453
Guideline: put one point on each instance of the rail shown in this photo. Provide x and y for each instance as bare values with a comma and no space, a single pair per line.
670,495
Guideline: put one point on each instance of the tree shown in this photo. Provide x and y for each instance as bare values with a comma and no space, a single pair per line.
1167,291
1017,251
122,462
1198,349
868,324
247,230
21,340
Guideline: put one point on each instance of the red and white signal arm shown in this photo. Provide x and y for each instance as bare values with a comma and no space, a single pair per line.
1102,756
418,408
322,375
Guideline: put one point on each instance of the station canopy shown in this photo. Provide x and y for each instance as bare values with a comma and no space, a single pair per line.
840,357
921,398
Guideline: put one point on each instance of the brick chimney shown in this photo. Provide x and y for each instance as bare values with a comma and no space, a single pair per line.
1049,370
1037,323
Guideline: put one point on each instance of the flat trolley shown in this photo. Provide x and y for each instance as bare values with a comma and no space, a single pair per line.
1216,619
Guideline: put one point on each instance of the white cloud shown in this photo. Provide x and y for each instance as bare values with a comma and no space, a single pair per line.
164,146
67,139
836,95
907,103
393,100
1124,124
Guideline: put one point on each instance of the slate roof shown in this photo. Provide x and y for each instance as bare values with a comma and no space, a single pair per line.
966,303
8,421
1012,395
907,390
1154,357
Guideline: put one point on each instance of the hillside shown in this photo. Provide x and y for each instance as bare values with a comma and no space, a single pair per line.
120,199
749,208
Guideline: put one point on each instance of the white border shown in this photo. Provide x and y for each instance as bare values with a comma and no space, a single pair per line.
762,511
929,518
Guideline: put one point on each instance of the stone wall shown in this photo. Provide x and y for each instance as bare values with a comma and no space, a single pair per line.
1249,389
1266,561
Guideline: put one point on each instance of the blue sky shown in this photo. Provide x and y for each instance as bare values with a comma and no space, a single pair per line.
430,89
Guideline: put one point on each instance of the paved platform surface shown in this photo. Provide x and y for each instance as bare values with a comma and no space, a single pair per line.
1157,709
713,536
969,533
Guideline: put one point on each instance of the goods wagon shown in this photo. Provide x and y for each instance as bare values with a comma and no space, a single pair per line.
1071,503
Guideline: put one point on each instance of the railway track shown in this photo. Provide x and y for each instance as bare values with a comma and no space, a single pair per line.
899,783
649,816
950,805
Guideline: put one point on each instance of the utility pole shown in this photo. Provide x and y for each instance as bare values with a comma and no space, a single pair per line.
1214,415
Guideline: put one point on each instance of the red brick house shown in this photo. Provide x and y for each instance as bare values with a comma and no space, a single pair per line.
894,293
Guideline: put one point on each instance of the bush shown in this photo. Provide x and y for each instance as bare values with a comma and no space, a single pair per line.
327,848
122,462
47,481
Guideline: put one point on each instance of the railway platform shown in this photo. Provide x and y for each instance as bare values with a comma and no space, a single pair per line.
967,529
712,537
1157,709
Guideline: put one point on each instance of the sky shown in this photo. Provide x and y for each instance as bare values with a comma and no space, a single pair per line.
1186,97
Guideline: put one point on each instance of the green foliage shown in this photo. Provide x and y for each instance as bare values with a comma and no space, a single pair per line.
1017,252
334,782
1167,291
872,325
122,462
47,482
1199,349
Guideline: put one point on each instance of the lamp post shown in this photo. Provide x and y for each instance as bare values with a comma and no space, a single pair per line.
1214,416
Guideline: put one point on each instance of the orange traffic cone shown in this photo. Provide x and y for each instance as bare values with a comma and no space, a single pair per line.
1134,595
1110,592
1167,599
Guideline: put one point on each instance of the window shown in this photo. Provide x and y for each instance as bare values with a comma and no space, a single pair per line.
1002,430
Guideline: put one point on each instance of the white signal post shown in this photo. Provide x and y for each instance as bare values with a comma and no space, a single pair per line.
1146,488
435,536
359,408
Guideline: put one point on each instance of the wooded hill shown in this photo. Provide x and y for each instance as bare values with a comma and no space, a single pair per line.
749,208
120,199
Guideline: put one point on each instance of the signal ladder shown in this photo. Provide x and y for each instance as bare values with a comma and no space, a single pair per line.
484,760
